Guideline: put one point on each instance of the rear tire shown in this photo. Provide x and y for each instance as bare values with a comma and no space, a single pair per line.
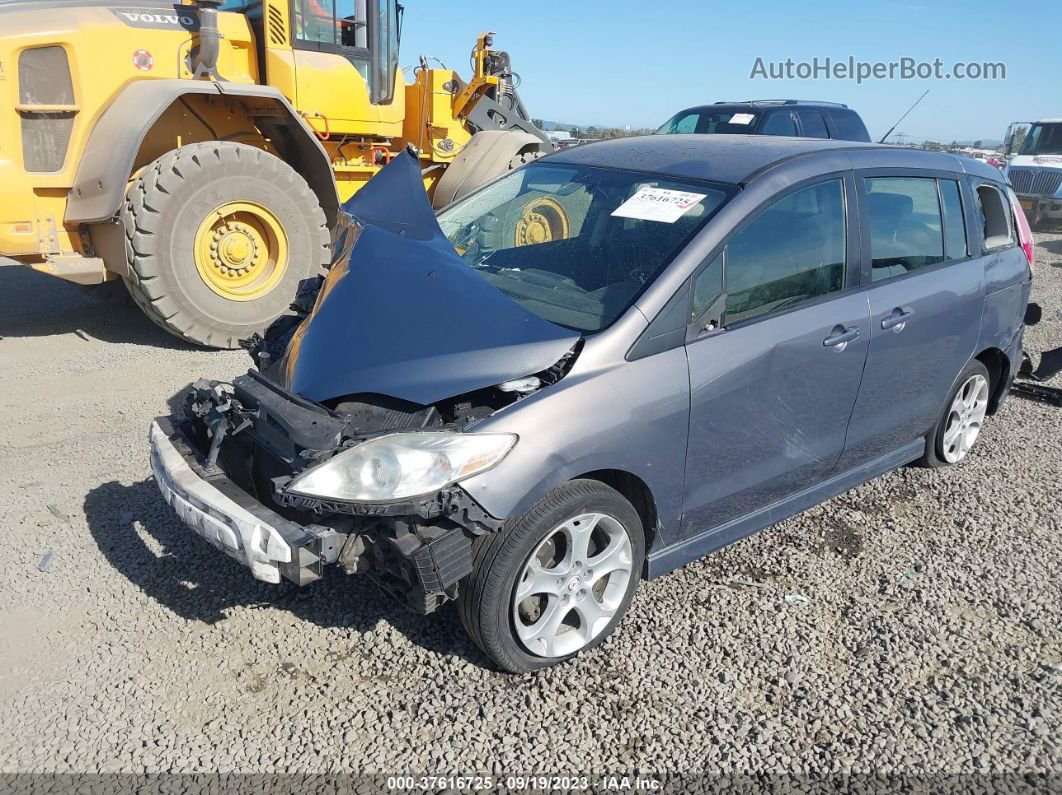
218,236
959,428
587,605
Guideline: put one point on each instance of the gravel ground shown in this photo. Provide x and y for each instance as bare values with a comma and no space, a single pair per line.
913,625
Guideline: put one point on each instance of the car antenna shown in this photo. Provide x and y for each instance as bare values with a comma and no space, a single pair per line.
904,116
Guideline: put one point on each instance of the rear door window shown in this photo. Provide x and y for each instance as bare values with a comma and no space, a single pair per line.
779,124
812,123
906,229
846,125
792,252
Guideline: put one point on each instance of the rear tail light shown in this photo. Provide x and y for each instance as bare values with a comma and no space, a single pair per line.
1025,235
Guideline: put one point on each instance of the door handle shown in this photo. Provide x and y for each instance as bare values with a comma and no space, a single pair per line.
897,320
841,336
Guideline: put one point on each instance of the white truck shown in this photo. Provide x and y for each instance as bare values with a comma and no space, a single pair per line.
1034,169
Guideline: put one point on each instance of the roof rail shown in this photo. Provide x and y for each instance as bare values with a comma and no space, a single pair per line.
815,102
782,102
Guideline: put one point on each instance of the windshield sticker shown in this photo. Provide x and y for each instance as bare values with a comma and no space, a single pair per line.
742,118
658,204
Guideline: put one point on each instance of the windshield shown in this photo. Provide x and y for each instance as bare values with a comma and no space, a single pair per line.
577,245
1043,139
740,122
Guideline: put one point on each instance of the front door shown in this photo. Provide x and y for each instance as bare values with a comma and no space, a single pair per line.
925,297
773,387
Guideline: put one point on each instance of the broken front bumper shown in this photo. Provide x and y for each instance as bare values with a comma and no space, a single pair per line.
230,519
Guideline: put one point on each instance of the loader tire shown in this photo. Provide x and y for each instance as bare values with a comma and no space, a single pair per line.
218,236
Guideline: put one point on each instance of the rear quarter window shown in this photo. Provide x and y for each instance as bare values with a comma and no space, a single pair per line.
994,216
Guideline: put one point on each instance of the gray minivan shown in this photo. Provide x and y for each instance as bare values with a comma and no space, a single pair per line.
602,366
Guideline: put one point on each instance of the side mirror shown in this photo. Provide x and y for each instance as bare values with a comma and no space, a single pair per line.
1008,142
1013,141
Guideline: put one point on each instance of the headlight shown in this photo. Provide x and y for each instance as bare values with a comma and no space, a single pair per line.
402,465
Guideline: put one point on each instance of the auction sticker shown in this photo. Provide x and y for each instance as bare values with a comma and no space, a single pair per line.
658,204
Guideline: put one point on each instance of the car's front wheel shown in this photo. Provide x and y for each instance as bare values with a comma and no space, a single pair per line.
556,582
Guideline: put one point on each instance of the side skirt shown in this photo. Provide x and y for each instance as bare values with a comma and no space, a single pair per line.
672,557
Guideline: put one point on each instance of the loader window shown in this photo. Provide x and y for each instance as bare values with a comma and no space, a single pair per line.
385,52
315,21
575,245
365,32
332,25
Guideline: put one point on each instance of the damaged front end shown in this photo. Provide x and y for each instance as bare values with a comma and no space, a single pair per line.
252,441
348,444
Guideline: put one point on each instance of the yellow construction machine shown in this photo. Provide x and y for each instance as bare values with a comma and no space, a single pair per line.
199,152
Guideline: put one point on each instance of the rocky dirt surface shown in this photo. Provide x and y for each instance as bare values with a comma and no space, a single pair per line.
911,625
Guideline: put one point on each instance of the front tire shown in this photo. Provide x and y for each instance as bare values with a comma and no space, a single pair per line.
959,428
218,236
558,581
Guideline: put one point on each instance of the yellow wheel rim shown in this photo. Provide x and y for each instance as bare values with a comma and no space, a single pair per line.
241,251
543,220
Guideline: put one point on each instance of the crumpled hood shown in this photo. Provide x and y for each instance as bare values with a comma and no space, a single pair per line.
401,314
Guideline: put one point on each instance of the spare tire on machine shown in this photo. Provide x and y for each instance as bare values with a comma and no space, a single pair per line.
218,236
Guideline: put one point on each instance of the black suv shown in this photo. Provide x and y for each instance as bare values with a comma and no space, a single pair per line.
770,117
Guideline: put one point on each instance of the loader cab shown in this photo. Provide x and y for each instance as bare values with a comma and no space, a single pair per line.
335,60
364,32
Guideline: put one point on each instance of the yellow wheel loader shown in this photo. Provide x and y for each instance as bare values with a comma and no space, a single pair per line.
199,152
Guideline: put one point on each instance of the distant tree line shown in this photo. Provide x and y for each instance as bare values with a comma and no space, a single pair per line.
594,132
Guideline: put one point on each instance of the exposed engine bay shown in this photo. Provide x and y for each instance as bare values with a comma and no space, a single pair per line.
260,438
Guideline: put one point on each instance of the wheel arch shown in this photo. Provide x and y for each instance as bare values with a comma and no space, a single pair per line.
998,364
637,491
108,158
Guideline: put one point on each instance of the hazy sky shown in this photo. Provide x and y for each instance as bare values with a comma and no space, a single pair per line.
623,62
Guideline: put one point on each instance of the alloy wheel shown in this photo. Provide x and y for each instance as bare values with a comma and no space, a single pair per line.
572,585
965,418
